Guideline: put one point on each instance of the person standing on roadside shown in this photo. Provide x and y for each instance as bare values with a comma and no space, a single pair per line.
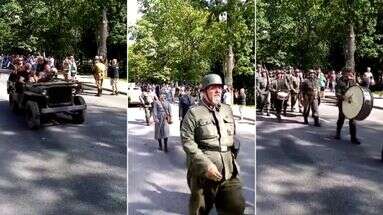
185,102
161,113
113,71
99,70
72,67
242,102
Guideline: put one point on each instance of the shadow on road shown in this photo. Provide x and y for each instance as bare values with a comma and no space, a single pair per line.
82,167
307,157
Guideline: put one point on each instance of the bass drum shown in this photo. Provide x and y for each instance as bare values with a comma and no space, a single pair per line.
358,103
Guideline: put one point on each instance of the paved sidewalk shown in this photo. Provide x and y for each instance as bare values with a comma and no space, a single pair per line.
248,112
88,80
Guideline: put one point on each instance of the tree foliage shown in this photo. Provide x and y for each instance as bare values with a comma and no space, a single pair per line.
60,28
314,32
183,40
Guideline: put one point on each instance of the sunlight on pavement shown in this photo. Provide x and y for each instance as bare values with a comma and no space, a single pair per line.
8,133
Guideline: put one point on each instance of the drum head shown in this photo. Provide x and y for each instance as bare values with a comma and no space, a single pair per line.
353,104
358,103
282,95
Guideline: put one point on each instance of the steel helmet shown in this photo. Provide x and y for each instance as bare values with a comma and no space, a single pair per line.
211,79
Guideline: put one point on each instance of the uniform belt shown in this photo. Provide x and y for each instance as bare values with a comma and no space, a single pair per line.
216,148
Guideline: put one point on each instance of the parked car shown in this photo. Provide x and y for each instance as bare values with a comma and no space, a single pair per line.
134,94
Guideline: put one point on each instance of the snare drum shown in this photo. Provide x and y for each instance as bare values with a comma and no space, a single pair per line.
358,103
282,95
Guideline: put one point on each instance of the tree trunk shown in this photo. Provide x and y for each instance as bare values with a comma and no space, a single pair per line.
350,48
229,61
229,66
102,35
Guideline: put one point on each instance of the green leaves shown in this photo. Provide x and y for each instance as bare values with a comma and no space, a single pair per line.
310,33
60,27
183,40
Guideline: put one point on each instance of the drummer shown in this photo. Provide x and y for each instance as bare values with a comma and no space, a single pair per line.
280,85
343,83
310,93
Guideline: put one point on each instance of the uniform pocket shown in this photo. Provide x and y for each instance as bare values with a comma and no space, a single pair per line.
206,129
229,123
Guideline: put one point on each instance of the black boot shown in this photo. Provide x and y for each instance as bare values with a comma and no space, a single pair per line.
160,144
279,118
316,122
306,121
355,141
166,144
337,135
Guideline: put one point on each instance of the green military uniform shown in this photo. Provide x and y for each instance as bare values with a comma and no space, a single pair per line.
279,85
263,93
99,74
310,93
341,87
207,135
147,103
294,92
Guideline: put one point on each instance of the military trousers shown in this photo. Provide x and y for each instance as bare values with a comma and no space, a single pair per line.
264,102
148,113
279,105
227,196
310,102
99,79
340,122
294,98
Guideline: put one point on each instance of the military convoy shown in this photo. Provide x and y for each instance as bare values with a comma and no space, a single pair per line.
42,100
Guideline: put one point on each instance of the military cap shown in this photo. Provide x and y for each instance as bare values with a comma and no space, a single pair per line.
211,79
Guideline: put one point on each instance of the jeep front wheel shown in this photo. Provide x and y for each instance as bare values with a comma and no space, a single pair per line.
79,116
13,104
32,115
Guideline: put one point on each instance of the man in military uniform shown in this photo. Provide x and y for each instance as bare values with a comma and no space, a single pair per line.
310,93
99,72
280,84
294,92
343,83
207,135
300,78
147,103
263,93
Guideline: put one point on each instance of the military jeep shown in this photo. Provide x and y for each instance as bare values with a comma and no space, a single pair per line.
41,100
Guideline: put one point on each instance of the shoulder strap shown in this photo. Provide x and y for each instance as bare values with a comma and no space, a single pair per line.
166,111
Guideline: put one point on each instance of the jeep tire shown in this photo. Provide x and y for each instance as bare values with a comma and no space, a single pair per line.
78,117
32,115
13,104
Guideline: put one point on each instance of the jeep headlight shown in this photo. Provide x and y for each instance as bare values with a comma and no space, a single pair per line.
44,92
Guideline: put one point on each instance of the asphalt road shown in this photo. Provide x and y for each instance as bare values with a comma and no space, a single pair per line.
157,181
303,170
64,168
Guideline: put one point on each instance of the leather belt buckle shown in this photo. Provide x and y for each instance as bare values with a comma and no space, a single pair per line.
223,148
